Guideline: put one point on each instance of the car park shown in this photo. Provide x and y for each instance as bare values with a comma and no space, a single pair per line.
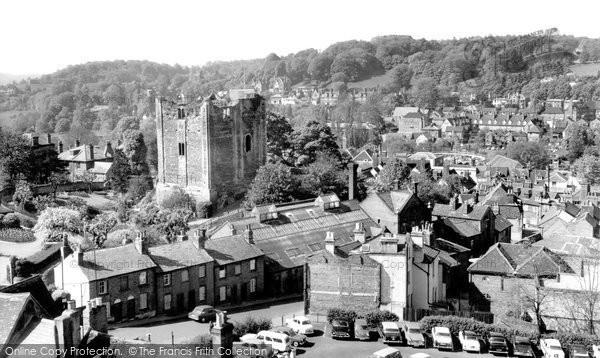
362,331
388,352
296,339
203,313
341,328
413,335
390,333
442,338
551,348
522,347
470,342
578,351
301,324
497,344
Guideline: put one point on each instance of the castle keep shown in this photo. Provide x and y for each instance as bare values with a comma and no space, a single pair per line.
211,148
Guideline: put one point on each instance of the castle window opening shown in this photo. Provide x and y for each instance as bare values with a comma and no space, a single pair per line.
180,113
181,148
248,143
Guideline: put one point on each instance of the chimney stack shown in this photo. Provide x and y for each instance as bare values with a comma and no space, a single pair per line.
199,238
182,236
416,192
248,235
454,202
396,184
330,242
79,256
77,143
68,329
139,243
35,140
108,151
91,146
360,234
59,147
49,138
95,316
352,178
375,159
495,208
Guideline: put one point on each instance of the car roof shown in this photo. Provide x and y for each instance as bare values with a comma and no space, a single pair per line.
412,325
203,307
385,351
272,334
496,334
285,328
552,341
360,321
469,332
522,339
302,318
389,325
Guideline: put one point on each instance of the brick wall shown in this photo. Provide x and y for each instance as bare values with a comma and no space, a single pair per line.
189,289
238,286
351,286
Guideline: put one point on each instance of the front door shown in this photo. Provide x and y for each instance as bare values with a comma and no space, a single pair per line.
180,302
244,291
191,299
131,308
117,311
234,294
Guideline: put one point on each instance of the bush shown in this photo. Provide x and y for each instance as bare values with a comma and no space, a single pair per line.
376,317
81,194
340,313
252,325
569,339
178,200
28,223
456,324
16,235
115,238
24,268
203,209
11,220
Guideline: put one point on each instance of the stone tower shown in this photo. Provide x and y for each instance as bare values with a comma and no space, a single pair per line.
210,147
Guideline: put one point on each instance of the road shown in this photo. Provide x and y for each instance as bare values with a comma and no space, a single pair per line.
186,328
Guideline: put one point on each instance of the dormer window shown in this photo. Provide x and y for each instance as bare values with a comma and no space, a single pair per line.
265,212
328,201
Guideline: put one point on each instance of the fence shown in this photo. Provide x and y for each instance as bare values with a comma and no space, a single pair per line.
415,315
75,186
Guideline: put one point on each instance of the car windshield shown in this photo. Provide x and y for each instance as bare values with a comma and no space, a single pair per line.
391,330
305,322
557,348
414,330
470,336
340,323
444,334
363,326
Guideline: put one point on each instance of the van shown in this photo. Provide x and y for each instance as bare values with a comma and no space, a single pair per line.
279,341
388,352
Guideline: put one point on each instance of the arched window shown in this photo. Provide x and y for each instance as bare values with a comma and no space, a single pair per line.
248,142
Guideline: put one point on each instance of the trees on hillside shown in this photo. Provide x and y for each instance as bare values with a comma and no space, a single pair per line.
118,175
308,141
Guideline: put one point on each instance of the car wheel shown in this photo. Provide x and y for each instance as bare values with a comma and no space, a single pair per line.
203,320
296,344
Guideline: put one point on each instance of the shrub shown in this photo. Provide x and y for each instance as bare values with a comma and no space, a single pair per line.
11,220
115,238
81,194
24,267
178,200
569,339
16,235
376,317
252,325
340,313
28,223
203,209
44,257
456,324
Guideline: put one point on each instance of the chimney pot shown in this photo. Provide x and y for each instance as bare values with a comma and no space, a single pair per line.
77,143
60,146
91,146
248,235
330,242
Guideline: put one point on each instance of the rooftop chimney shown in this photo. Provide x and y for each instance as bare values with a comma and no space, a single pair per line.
95,316
108,151
68,328
182,236
59,147
352,178
454,202
248,235
77,143
35,140
91,146
49,138
416,192
139,243
375,159
360,234
79,256
199,238
389,244
330,242
396,184
495,209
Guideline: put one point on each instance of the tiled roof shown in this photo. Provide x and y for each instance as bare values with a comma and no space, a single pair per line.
82,154
115,261
502,161
464,228
396,199
36,287
553,110
40,332
446,210
230,249
178,255
571,244
450,246
413,115
11,306
101,167
402,111
501,224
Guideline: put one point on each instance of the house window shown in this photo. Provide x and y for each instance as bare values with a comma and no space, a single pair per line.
124,283
102,287
181,148
253,265
238,269
222,272
248,140
502,284
202,271
253,285
167,280
143,301
143,278
167,302
553,183
185,276
202,293
222,293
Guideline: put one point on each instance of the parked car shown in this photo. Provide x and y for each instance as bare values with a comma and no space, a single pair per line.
522,347
442,338
596,351
578,351
279,341
252,348
301,324
497,344
551,348
414,337
470,342
296,339
390,333
362,331
203,313
388,352
341,328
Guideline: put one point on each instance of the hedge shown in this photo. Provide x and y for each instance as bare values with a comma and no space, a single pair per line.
456,324
16,235
340,313
373,318
252,325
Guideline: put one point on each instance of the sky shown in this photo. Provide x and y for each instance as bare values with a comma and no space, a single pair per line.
41,36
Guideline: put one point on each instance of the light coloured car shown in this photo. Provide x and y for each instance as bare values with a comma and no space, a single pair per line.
551,348
279,341
442,338
413,334
596,351
301,324
388,352
469,341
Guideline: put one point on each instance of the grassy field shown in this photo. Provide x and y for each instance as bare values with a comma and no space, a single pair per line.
585,69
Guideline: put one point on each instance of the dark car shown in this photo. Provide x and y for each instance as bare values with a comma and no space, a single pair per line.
497,344
578,351
341,328
522,347
296,339
203,313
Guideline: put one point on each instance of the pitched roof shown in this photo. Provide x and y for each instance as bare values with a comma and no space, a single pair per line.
114,261
402,111
82,154
178,255
225,250
501,224
446,210
11,306
502,161
553,110
36,287
464,228
395,199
